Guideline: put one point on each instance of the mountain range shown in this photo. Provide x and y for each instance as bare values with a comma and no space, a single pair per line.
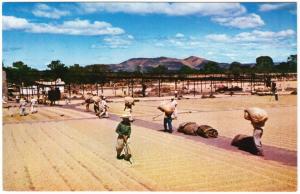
146,64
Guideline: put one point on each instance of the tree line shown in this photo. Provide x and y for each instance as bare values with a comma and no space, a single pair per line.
20,73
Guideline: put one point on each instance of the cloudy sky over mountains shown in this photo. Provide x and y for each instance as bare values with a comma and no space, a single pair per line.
88,33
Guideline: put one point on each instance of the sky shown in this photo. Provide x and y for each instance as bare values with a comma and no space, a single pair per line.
108,33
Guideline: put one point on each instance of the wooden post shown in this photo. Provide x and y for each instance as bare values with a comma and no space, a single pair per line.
158,87
131,87
241,81
69,90
21,92
175,84
83,90
97,89
38,92
128,87
201,85
251,83
32,92
27,92
210,85
205,81
194,88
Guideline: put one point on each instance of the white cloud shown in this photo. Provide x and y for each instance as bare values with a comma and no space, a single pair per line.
254,36
242,22
11,22
173,9
130,37
43,10
273,6
268,36
179,41
179,35
115,42
73,27
218,37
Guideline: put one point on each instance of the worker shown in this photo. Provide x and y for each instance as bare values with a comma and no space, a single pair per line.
22,107
96,99
176,94
33,105
258,118
123,130
252,144
88,100
174,104
104,108
17,99
274,90
129,103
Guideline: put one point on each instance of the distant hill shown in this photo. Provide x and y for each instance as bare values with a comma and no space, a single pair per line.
148,63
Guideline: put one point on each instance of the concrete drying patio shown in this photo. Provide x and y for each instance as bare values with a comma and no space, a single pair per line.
66,149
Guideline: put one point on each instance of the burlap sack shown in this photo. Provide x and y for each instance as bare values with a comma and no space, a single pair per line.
129,100
256,115
96,98
188,128
245,143
207,131
166,108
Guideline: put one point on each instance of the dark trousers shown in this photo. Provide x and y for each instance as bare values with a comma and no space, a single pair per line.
168,121
96,108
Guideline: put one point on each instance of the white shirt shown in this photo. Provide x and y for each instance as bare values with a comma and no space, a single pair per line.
22,103
174,103
33,102
103,104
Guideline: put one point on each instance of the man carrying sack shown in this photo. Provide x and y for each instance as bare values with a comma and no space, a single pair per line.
168,109
129,102
258,118
123,130
22,107
104,108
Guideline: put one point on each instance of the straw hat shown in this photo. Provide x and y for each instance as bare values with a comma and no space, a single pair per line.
125,116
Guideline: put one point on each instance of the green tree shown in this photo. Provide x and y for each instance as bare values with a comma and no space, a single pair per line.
211,67
186,70
292,63
21,73
264,64
160,69
282,67
235,67
57,69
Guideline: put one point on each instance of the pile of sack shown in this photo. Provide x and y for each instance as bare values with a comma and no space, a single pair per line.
192,128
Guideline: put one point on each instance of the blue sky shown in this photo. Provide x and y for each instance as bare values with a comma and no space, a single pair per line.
106,33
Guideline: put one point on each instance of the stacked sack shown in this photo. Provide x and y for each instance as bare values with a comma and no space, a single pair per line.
192,128
257,116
